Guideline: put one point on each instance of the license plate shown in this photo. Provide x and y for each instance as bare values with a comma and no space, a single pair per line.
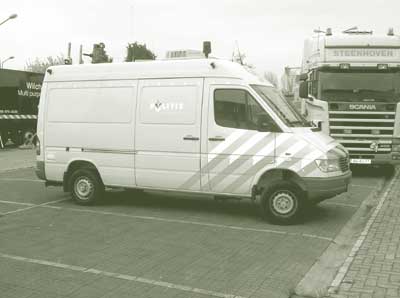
360,161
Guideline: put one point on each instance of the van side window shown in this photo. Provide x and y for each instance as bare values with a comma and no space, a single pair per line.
236,108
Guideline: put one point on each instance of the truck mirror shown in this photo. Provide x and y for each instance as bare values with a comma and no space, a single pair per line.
303,77
303,90
266,124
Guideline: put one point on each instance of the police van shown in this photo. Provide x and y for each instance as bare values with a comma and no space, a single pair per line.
199,126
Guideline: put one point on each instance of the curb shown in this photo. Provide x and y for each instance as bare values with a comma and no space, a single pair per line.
318,280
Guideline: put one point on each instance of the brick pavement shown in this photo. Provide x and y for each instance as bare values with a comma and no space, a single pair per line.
373,267
11,159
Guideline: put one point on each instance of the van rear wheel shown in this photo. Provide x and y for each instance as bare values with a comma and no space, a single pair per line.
282,203
85,186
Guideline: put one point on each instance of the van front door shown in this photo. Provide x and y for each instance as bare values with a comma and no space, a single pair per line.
167,133
236,148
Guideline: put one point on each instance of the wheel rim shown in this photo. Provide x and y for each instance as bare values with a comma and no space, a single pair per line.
83,187
28,136
284,202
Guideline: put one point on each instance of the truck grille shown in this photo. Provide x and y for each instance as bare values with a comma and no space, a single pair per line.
344,164
363,133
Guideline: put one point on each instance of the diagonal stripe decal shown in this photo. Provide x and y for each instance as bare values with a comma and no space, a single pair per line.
292,150
265,161
234,140
270,148
297,147
309,158
245,177
247,146
224,145
222,174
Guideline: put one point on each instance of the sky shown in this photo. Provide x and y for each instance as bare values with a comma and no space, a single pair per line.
270,33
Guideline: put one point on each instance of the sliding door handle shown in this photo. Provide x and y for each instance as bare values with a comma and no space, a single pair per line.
190,138
216,139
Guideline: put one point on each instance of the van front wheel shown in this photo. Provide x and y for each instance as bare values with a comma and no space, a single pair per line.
85,186
282,203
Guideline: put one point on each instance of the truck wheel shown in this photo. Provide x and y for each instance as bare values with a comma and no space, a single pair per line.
282,203
85,186
27,137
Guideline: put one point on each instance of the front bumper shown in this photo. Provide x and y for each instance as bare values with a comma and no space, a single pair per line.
319,189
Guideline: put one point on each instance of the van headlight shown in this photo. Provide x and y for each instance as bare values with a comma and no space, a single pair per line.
328,165
331,161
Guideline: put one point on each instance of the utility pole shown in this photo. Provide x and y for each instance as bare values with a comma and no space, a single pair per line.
80,54
68,60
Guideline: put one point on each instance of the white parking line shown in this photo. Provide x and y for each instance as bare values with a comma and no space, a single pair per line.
186,222
341,204
163,219
120,276
34,206
364,186
21,180
16,203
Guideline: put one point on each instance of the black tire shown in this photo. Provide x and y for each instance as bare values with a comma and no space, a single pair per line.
387,170
282,203
134,191
86,186
27,137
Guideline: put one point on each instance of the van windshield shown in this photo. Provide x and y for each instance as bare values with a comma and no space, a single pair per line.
274,99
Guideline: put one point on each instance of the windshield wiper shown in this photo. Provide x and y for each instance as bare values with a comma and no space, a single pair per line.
302,122
279,111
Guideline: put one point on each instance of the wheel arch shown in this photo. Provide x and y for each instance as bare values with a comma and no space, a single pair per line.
270,176
79,164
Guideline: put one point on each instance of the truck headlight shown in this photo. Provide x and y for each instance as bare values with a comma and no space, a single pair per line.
396,145
328,165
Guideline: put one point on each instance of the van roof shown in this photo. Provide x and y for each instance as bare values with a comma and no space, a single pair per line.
152,69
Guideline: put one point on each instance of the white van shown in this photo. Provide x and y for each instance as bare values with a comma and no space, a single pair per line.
200,126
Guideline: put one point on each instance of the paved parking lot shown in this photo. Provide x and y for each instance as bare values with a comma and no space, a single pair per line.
157,245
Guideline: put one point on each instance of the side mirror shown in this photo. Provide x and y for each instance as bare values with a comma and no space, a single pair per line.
303,90
266,124
303,77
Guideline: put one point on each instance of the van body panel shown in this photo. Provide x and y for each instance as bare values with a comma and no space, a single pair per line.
93,121
167,132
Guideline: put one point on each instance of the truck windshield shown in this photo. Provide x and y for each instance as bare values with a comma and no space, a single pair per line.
281,107
359,86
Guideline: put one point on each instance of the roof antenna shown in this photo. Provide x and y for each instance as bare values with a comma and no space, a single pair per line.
240,55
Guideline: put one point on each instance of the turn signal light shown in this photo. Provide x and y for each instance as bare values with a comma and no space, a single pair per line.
396,145
344,66
382,66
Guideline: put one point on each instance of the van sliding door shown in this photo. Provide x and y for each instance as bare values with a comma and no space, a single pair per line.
167,133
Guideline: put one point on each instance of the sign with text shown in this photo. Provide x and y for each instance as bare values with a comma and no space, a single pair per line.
378,55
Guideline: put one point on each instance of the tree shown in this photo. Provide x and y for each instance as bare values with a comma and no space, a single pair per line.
272,78
136,51
41,64
99,54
